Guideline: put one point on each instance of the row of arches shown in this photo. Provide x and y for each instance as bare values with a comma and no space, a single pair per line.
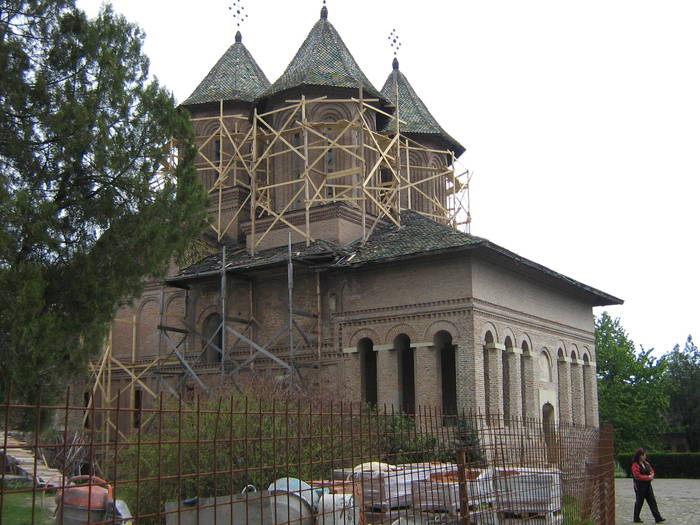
405,362
515,374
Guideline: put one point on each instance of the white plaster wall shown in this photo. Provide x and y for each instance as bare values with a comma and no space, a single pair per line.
498,285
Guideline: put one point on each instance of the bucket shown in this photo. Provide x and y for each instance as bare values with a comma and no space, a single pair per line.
84,503
337,509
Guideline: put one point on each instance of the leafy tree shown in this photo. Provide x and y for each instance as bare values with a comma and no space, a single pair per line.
631,389
683,376
86,207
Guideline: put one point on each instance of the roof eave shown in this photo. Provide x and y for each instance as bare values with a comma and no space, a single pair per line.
597,297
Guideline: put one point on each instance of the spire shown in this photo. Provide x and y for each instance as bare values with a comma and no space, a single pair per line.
413,112
323,60
235,77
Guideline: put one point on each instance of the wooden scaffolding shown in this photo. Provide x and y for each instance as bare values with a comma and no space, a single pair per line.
283,165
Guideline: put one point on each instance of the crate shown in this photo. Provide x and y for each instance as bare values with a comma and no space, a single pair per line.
440,492
392,489
528,490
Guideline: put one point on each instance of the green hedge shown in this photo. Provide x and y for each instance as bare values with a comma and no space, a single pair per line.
667,464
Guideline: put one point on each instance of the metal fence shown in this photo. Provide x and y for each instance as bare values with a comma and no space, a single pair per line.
232,460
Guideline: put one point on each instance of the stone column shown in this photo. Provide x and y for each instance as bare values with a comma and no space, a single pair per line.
493,354
578,406
428,377
527,376
387,379
564,387
513,403
589,376
470,375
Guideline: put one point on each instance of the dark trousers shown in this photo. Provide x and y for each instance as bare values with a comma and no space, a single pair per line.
643,491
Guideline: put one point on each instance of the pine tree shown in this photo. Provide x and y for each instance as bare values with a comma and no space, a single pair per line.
87,210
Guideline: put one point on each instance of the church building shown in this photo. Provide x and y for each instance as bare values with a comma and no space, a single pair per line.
338,258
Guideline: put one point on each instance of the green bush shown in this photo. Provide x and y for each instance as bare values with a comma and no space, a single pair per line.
667,464
218,447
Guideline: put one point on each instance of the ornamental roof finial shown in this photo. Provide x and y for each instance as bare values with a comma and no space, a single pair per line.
239,15
324,11
395,44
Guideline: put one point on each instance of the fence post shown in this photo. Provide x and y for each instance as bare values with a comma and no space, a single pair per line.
463,493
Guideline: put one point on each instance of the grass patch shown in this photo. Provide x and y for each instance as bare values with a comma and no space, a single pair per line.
17,509
571,512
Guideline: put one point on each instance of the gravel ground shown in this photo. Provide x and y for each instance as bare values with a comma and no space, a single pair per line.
678,500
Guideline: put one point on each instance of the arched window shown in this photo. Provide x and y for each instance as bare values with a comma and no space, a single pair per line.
211,346
442,341
138,405
507,412
368,366
586,392
488,339
407,373
525,389
545,367
296,173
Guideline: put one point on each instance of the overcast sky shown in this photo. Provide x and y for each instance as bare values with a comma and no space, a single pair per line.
581,121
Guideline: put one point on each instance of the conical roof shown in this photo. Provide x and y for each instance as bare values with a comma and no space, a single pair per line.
413,112
323,60
236,76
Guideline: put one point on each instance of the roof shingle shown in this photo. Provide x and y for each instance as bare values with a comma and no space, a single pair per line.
413,112
235,77
323,60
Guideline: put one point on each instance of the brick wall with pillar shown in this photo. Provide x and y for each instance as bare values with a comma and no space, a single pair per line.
388,379
428,379
470,369
589,376
493,377
564,389
513,385
528,390
579,416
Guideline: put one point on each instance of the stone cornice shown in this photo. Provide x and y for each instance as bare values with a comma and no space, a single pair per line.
398,312
459,306
510,315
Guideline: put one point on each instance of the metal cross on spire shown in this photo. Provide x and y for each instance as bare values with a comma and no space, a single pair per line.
394,41
239,14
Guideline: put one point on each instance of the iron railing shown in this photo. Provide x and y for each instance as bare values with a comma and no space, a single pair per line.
232,460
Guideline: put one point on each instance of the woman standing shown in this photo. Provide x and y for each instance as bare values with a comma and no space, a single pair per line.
643,476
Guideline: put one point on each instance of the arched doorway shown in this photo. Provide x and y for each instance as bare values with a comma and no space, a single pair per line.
368,370
549,431
407,373
442,341
211,347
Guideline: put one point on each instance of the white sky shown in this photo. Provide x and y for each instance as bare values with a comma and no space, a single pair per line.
581,121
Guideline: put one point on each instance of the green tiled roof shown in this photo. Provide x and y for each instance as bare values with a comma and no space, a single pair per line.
323,60
414,112
417,235
236,76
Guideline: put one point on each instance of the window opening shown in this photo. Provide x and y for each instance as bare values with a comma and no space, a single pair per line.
138,399
369,371
212,335
407,376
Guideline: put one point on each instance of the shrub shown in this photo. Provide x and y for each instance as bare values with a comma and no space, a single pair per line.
667,464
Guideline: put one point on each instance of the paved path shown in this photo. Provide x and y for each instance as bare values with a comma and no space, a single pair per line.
678,499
